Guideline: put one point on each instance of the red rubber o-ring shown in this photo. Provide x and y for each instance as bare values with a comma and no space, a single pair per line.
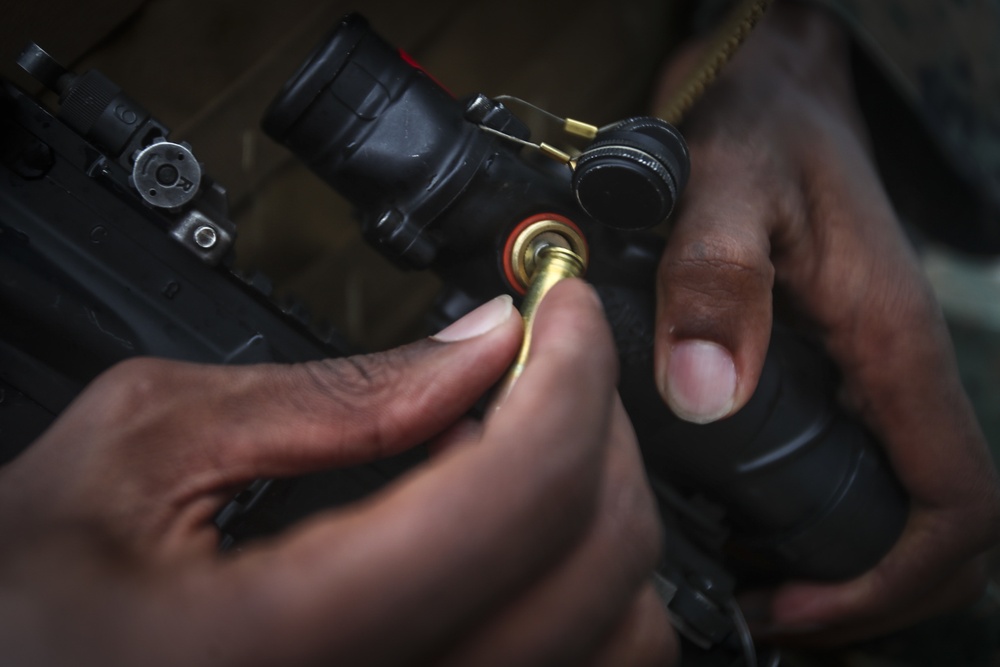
508,248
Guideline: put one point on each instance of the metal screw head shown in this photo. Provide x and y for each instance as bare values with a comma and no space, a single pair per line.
205,236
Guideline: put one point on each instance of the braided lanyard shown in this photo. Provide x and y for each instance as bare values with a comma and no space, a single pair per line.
730,36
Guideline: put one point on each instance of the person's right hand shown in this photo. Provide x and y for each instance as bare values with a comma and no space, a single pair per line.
527,541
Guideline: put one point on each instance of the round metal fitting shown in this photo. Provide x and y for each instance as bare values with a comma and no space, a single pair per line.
166,174
540,233
205,237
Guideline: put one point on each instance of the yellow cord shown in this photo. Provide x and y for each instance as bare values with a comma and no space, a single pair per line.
731,36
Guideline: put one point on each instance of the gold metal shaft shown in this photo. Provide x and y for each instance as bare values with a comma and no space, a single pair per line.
553,264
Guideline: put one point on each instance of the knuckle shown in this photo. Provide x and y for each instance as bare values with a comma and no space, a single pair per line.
881,298
719,270
342,379
131,386
361,388
354,380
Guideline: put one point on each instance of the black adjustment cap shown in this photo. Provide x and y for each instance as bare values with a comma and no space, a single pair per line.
35,61
632,175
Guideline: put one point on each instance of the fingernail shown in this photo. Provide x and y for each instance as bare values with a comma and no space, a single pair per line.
699,382
485,318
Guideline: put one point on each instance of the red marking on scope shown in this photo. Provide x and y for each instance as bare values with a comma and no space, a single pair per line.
412,62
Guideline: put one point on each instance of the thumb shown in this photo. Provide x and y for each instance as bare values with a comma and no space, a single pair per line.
224,425
713,320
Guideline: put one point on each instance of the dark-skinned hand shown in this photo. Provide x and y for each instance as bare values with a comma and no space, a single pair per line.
528,540
784,198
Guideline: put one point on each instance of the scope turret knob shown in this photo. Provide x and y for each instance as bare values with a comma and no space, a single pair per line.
166,174
633,173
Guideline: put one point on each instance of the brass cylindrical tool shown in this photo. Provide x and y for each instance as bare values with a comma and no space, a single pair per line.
552,263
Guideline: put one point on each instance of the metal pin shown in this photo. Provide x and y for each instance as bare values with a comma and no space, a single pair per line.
556,154
580,129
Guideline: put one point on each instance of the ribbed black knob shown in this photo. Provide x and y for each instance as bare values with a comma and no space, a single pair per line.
90,103
86,99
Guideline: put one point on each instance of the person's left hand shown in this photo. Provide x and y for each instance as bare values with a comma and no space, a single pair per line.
785,198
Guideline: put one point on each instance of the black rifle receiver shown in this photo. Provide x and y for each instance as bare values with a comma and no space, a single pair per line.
114,243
